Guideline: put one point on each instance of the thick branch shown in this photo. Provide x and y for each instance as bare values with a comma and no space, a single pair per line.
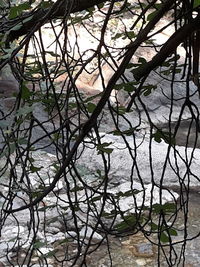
168,48
87,127
60,9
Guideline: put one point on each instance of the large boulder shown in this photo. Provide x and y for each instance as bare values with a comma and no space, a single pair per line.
145,163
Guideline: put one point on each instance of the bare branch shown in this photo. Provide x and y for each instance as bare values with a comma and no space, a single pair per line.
168,48
42,16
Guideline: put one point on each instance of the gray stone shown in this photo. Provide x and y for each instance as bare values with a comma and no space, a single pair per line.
141,262
87,232
8,88
121,162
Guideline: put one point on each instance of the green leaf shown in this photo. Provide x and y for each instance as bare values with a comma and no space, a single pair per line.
118,35
157,136
128,87
169,207
18,10
99,175
116,132
39,244
103,148
196,3
119,86
46,4
128,132
35,169
129,223
31,159
121,110
24,110
171,70
79,19
166,208
157,208
91,9
151,15
178,70
76,207
77,188
56,136
100,5
130,66
126,194
142,60
91,107
96,198
22,141
127,34
166,72
25,92
90,98
109,215
55,166
172,232
164,238
153,226
106,150
130,35
147,89
160,135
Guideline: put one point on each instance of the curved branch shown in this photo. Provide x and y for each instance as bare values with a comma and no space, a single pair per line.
28,21
105,96
168,48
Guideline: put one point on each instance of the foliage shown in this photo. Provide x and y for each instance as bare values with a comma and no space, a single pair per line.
57,53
